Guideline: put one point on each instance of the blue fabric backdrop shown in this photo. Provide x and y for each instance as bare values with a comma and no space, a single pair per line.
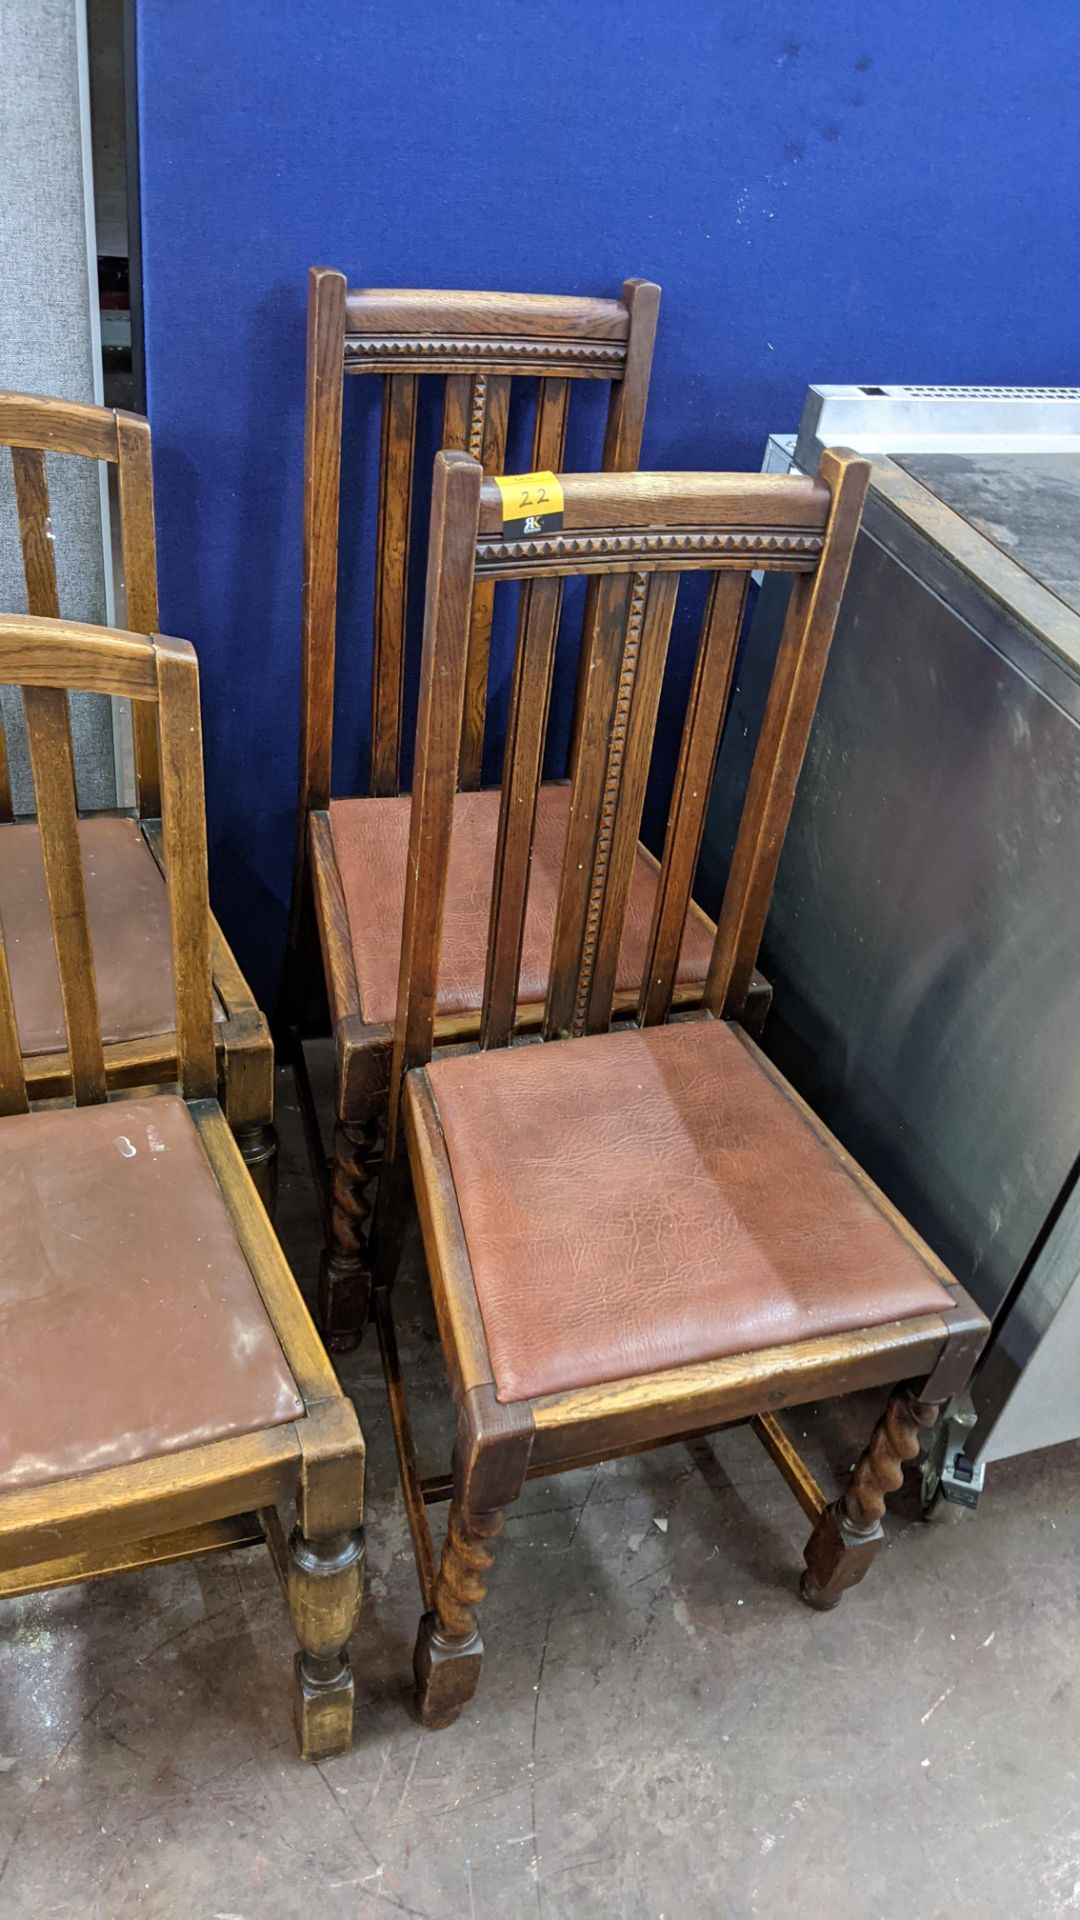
856,191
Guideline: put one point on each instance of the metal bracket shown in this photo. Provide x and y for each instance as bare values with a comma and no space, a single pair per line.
948,1473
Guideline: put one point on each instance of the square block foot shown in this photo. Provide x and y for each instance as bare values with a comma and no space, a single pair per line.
446,1674
836,1558
322,1712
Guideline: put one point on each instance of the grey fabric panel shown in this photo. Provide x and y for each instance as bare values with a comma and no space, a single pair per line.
45,342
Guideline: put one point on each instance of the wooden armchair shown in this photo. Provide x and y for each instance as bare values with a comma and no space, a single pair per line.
126,895
349,888
165,1391
639,1235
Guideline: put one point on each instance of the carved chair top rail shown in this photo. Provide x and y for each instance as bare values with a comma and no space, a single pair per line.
668,502
522,316
617,523
427,331
476,355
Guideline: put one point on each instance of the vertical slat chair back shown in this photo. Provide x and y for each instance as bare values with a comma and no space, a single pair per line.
645,530
478,342
46,658
32,427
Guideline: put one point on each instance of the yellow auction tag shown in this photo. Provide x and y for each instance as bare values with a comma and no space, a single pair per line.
531,503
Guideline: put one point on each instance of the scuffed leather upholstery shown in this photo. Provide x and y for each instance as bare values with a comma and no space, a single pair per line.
645,1199
130,1325
371,839
128,908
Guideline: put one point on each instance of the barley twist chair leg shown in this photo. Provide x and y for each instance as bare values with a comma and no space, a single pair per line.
344,1272
449,1651
325,1585
849,1533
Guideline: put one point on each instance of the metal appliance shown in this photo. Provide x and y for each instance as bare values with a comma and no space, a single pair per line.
924,940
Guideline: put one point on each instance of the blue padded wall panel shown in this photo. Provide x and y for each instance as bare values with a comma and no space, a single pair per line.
852,191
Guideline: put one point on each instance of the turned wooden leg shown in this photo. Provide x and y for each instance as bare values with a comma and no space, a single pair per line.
449,1651
325,1583
344,1272
847,1537
259,1146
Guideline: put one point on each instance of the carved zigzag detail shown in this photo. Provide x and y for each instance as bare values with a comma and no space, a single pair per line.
609,804
795,544
476,421
600,353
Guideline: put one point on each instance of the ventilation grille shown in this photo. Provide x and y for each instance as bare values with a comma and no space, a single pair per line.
980,393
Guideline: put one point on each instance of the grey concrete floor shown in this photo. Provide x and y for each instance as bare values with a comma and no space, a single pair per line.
662,1729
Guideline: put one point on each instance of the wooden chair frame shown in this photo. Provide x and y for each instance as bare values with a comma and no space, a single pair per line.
650,528
227,1493
31,428
479,342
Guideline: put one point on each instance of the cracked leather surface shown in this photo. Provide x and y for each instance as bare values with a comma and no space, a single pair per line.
646,1199
371,839
130,1324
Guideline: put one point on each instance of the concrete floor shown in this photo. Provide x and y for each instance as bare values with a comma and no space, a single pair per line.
662,1729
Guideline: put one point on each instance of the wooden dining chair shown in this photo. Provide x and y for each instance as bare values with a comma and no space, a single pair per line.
126,894
165,1391
349,886
641,1233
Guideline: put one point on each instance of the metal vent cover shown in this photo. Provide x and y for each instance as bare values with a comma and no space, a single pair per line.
929,419
978,393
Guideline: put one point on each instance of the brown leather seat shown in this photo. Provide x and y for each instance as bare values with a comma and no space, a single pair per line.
130,1324
128,909
371,839
647,1199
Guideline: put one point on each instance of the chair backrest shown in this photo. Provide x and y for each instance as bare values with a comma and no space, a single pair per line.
478,342
645,529
32,427
47,658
